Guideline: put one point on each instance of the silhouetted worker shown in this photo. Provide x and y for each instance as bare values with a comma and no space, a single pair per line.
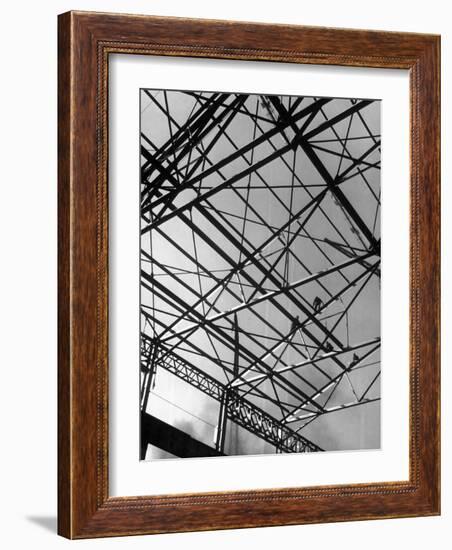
295,323
317,304
354,360
328,346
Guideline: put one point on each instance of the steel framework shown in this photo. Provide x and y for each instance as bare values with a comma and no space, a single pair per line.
260,259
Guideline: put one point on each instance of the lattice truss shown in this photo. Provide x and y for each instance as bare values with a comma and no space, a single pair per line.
260,268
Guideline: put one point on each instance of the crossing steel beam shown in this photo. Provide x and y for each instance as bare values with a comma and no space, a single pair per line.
238,409
260,312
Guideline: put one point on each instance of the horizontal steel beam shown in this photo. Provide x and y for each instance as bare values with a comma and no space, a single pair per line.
170,439
318,359
240,410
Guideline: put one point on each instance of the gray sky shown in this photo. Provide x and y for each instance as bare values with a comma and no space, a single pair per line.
252,210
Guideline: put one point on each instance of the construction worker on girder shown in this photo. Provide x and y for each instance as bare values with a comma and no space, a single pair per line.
317,304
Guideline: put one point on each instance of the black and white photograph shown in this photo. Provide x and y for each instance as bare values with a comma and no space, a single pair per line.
259,274
225,297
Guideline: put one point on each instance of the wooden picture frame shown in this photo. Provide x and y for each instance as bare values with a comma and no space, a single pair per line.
85,42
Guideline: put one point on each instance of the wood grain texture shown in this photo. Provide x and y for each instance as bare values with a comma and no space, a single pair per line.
64,295
85,42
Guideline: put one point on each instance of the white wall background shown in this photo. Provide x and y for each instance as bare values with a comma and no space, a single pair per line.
28,298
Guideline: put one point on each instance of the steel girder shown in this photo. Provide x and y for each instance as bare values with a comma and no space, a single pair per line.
269,206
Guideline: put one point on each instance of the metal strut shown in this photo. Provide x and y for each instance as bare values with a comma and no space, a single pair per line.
259,257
